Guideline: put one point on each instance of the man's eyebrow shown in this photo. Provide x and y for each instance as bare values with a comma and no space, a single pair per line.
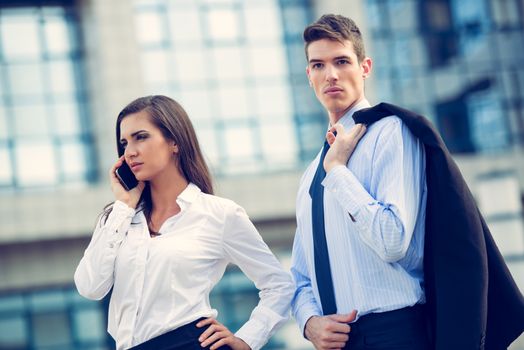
316,60
342,57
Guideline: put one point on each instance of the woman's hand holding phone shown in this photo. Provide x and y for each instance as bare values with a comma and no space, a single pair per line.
130,197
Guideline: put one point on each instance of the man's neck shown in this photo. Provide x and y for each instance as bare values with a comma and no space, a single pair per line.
334,117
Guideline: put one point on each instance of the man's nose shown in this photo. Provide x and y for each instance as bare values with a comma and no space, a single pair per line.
331,73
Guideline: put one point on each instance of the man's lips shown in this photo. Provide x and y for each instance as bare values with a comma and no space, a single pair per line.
332,90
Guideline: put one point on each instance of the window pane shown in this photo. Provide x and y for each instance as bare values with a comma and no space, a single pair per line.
51,329
190,66
6,173
229,63
3,123
197,105
262,22
13,333
233,102
16,29
11,303
25,79
268,61
208,142
61,76
73,159
149,27
35,163
185,25
239,142
66,119
88,325
57,36
47,301
30,120
155,65
223,24
279,143
280,101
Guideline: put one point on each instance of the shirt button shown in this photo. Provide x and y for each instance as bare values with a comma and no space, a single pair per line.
111,245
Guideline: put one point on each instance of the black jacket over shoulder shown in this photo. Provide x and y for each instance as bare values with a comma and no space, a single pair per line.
472,300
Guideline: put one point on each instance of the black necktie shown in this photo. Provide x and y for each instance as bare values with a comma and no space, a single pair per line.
322,267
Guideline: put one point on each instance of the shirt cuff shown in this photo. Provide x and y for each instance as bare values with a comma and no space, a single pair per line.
263,323
347,189
118,221
253,333
305,313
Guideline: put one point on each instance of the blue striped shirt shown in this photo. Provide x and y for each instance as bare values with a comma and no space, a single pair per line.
376,260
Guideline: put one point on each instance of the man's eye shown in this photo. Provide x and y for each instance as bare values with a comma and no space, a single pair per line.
342,61
317,65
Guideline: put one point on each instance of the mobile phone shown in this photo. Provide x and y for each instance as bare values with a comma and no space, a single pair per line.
126,177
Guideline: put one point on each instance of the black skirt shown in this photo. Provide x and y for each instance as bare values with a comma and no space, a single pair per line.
182,338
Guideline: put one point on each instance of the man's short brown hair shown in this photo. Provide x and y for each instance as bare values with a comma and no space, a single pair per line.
337,28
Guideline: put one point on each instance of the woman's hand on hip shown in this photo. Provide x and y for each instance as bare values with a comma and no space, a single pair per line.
131,197
218,335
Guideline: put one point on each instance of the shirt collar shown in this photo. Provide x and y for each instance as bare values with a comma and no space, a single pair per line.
347,120
188,195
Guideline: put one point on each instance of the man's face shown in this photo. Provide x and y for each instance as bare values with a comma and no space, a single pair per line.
336,75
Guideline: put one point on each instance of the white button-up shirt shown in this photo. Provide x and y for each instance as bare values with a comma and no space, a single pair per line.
162,283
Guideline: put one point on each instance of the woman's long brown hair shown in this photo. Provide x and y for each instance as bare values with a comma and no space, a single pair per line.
172,120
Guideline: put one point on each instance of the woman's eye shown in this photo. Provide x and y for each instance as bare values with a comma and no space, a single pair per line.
141,136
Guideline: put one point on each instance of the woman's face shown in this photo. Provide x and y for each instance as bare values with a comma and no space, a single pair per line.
146,151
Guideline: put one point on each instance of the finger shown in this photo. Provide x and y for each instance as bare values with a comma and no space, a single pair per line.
115,166
338,337
361,131
339,327
355,130
352,315
338,128
140,187
207,321
343,318
213,338
207,333
221,342
336,346
330,137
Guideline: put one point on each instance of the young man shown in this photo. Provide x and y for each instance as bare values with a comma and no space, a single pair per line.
368,251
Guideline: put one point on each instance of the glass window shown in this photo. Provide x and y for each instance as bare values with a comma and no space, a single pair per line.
13,332
237,67
84,320
51,329
43,100
223,25
52,319
20,27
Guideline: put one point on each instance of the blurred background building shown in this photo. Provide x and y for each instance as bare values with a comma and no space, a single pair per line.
237,66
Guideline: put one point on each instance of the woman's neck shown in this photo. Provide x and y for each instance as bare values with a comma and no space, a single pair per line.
165,190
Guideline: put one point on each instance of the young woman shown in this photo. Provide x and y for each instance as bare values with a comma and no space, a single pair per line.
164,244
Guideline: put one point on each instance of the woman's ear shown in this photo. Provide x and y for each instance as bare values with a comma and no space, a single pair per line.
175,148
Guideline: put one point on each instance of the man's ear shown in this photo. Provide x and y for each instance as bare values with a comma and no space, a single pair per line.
308,76
366,66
